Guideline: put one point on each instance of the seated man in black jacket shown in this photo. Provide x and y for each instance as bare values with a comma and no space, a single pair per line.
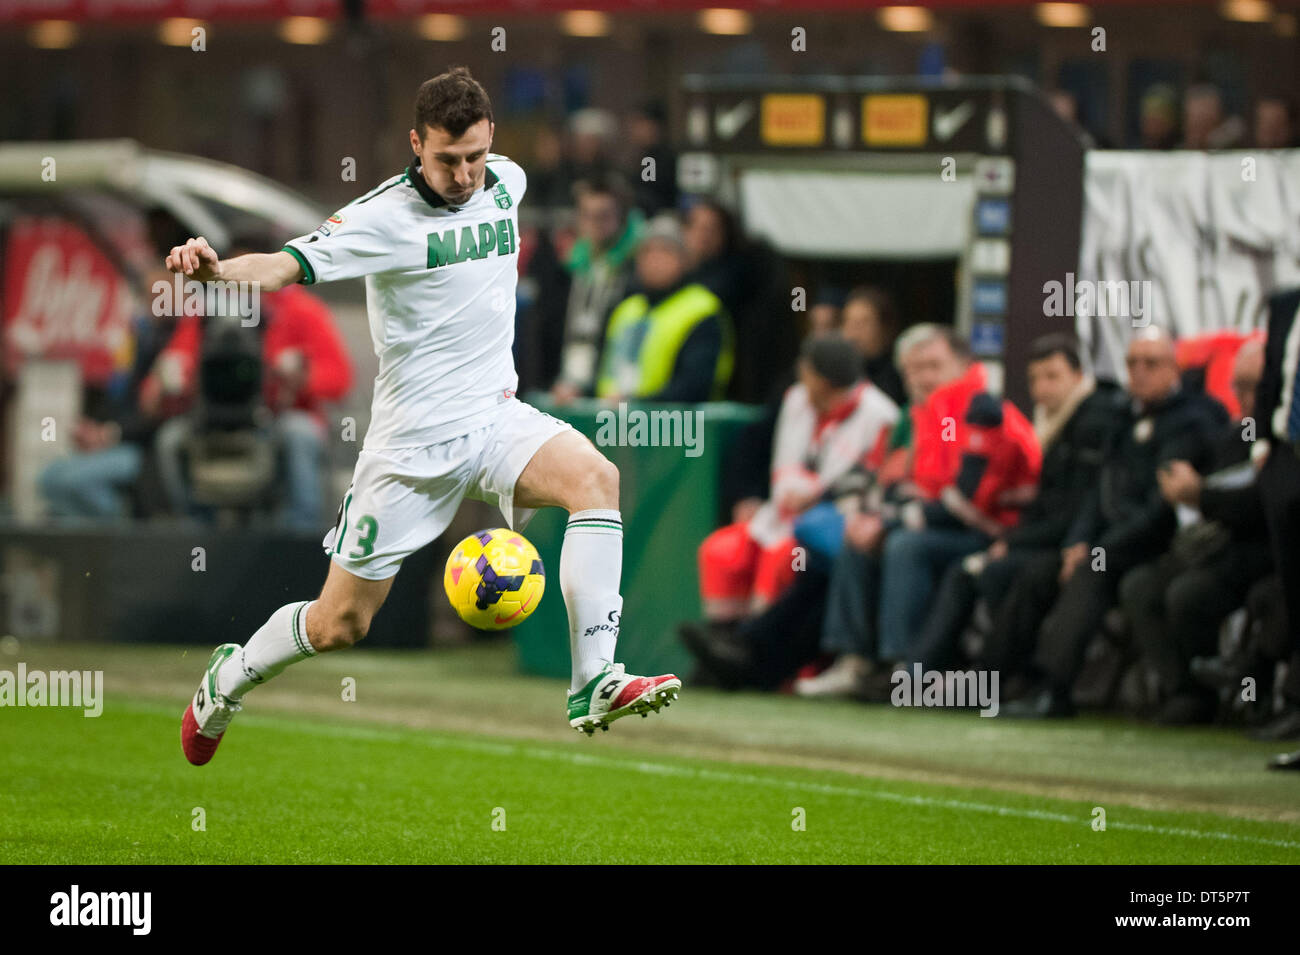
1124,521
1176,603
1072,415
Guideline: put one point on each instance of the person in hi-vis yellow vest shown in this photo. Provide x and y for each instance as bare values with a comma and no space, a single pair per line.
669,341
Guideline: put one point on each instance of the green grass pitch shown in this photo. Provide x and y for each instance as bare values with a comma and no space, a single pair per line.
453,757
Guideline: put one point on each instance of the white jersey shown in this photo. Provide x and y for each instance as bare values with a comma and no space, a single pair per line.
440,293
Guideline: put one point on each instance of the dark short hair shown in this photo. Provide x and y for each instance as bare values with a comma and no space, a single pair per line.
453,101
881,301
730,230
1056,343
834,358
605,182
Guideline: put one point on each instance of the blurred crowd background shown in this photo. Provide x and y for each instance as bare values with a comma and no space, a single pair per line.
1113,543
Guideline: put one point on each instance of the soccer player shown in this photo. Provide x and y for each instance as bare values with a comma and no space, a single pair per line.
438,246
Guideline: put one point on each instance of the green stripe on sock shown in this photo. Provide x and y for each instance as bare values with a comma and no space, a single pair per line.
300,639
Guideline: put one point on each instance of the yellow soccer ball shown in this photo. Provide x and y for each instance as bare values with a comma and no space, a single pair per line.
494,579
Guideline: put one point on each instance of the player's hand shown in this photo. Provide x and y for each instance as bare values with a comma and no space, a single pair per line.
196,259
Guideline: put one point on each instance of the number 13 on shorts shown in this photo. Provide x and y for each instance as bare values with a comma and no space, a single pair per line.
365,529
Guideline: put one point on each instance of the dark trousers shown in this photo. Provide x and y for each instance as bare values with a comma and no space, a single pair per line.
955,601
1279,485
1175,610
878,601
1009,647
1073,621
785,635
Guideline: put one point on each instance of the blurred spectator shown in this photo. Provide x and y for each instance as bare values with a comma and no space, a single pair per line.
1071,421
1176,603
763,650
824,315
592,135
647,139
114,436
1275,123
749,280
1278,407
672,340
1205,126
549,182
600,268
1124,522
305,364
541,300
1064,105
828,421
973,458
713,249
1214,358
870,321
1158,118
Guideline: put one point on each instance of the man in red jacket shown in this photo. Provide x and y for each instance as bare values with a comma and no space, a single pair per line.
973,456
305,365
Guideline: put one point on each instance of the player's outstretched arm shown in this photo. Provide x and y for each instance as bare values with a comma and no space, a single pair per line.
199,260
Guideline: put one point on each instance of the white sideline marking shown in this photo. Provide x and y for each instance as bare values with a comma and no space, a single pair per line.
830,789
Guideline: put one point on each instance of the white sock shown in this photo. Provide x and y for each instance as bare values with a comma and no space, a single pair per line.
280,641
591,564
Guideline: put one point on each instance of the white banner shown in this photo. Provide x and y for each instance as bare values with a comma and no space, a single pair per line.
858,215
1208,235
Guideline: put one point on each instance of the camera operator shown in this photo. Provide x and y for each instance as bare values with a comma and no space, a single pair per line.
302,362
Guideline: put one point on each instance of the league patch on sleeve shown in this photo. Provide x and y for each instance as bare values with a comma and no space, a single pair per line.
331,224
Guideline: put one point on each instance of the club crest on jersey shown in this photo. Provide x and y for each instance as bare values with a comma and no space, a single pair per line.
462,244
329,225
502,197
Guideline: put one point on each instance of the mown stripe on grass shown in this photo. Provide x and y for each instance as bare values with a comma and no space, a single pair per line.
649,767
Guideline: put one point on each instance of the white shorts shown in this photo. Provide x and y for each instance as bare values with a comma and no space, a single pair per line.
402,498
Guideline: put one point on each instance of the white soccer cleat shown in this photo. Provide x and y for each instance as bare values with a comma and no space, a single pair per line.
613,693
209,713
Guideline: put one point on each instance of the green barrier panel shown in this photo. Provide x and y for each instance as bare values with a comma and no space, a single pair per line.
669,498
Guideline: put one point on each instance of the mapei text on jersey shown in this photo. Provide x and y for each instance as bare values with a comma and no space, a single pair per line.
462,244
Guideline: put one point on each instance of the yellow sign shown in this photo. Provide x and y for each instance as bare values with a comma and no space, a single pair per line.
793,119
894,119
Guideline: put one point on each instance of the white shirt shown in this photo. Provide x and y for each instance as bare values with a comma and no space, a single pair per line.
807,458
440,294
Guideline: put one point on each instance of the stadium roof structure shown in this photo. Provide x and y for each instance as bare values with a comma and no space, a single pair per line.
203,194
